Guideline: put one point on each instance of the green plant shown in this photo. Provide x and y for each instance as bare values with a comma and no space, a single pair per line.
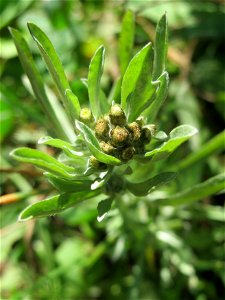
103,146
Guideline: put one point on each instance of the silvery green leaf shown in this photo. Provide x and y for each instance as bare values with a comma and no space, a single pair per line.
55,204
177,136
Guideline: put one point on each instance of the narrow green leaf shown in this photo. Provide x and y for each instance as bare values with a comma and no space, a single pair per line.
74,104
55,204
94,77
12,9
161,45
43,161
53,63
126,40
216,144
160,96
115,92
144,91
160,136
133,71
198,192
177,136
143,188
69,186
103,208
101,181
57,143
94,146
29,67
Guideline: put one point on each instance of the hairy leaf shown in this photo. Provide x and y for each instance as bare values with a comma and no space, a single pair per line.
177,136
143,188
35,79
160,49
43,161
197,192
57,143
73,103
126,40
69,186
55,204
94,77
133,71
94,147
53,63
160,96
216,144
103,208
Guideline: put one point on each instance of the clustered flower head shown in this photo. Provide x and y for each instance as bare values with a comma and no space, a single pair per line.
116,136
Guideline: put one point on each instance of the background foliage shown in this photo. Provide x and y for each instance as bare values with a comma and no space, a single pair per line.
145,251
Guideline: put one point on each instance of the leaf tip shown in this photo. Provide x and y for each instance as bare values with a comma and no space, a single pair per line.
22,218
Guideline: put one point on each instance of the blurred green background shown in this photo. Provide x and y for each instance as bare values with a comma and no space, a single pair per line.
151,253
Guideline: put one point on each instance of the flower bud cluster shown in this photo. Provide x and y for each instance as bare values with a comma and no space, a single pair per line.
118,138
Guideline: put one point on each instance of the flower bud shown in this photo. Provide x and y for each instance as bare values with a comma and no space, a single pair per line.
135,130
96,164
117,115
140,121
119,136
152,128
139,149
107,148
145,135
86,116
127,153
102,129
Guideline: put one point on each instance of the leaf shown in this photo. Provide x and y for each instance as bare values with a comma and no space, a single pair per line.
115,91
68,186
12,9
160,49
73,104
102,180
57,143
160,136
177,136
43,161
144,91
94,147
94,76
216,144
6,118
160,97
133,72
53,63
35,79
126,40
103,208
197,192
143,188
55,204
